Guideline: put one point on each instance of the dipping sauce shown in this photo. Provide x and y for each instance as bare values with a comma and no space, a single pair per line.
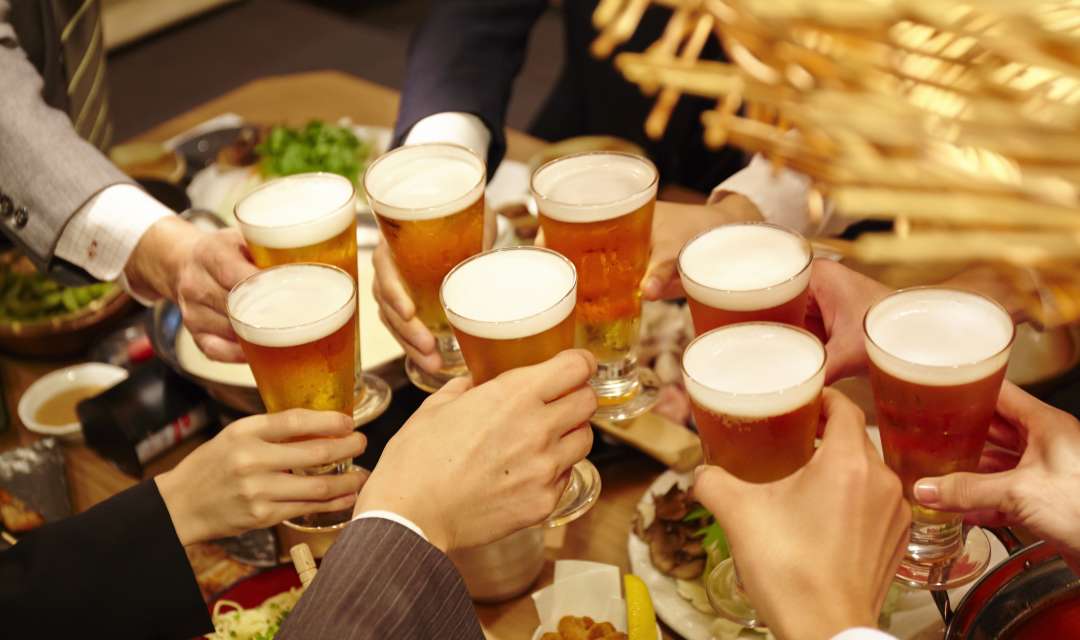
59,410
1058,620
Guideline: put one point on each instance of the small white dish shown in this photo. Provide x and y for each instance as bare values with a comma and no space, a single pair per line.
80,375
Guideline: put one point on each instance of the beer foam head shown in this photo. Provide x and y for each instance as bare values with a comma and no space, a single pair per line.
754,369
595,186
745,267
424,181
292,304
938,336
297,211
510,293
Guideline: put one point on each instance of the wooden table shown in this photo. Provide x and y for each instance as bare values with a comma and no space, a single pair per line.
601,535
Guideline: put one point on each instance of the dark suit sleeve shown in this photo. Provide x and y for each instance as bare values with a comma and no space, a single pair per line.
115,571
464,57
381,580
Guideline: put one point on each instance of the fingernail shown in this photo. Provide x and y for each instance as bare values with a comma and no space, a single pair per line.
652,286
926,492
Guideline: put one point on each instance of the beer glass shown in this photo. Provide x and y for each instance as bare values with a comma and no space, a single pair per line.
296,324
596,209
746,271
513,308
311,217
755,393
429,203
937,360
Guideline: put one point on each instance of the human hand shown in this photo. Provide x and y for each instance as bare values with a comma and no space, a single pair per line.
398,312
240,480
1029,476
838,302
674,224
474,465
816,551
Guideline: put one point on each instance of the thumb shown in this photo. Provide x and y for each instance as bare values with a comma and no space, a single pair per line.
721,493
660,279
965,491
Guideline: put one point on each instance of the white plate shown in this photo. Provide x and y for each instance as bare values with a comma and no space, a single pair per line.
80,375
916,616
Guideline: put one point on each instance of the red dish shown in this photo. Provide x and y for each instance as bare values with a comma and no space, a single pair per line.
251,592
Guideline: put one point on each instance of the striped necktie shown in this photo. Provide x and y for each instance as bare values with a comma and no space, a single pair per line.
83,50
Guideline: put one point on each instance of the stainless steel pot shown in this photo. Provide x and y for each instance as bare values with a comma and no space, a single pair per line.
1032,578
504,569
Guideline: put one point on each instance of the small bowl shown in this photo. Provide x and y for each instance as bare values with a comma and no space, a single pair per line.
80,375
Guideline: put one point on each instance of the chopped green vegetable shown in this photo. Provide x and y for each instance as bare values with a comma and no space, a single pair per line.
33,296
317,146
698,513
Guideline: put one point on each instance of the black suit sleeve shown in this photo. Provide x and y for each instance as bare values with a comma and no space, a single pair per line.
381,580
464,57
116,571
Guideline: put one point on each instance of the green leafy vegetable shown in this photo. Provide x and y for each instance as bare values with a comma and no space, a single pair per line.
317,146
33,296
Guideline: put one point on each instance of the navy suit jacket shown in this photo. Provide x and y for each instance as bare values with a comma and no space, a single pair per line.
467,53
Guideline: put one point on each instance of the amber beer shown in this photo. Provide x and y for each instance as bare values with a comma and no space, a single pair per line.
296,325
937,361
429,203
311,217
511,308
597,210
745,272
755,393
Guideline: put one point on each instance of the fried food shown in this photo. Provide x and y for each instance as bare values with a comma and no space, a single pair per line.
584,628
16,515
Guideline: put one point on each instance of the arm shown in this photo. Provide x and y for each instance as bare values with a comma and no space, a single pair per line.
118,567
381,580
47,172
464,59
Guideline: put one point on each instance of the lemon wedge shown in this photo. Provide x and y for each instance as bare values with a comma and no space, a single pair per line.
640,617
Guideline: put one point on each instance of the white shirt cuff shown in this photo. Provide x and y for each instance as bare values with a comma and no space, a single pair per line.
393,517
101,236
781,197
454,127
863,633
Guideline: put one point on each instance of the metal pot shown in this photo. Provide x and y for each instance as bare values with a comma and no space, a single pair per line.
505,568
1032,578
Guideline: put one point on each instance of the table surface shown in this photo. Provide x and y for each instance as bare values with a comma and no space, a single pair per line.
600,535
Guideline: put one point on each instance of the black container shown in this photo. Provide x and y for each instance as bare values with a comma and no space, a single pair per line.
142,417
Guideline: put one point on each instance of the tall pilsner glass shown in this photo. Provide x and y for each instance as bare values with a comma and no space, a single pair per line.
937,360
746,271
429,202
755,392
513,308
297,326
597,210
311,217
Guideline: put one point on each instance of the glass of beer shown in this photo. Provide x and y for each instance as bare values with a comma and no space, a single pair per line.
755,393
596,209
311,217
746,271
429,203
937,360
513,308
297,326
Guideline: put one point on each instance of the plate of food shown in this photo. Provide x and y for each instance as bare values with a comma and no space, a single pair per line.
674,542
254,608
259,153
41,317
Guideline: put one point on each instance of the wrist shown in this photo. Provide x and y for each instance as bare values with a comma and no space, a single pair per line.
184,520
372,498
154,267
829,622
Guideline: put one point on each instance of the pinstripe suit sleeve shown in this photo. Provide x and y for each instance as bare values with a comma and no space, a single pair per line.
381,580
45,167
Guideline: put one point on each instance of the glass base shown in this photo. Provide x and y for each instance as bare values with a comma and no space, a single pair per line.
631,399
319,521
432,382
727,597
581,493
935,573
371,399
